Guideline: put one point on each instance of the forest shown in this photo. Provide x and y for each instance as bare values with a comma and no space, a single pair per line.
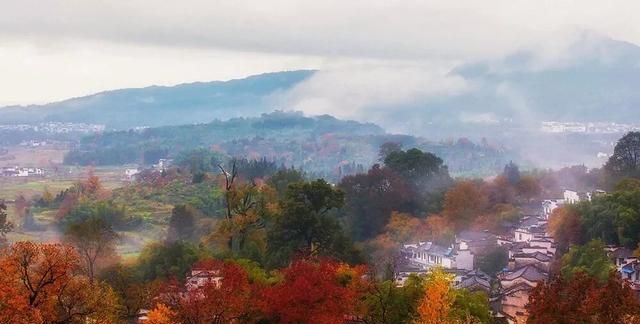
322,145
277,244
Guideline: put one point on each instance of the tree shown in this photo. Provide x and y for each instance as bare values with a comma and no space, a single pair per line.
471,307
625,161
387,303
134,293
426,173
225,300
388,148
161,314
528,188
5,225
511,173
42,279
320,291
281,180
435,306
414,164
182,223
370,199
582,299
590,258
167,260
95,240
566,227
305,226
464,203
494,261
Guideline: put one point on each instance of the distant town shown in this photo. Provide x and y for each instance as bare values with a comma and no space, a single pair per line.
587,127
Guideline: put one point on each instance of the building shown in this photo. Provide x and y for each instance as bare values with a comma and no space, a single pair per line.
542,260
549,205
17,171
202,277
475,280
426,255
515,287
130,174
478,242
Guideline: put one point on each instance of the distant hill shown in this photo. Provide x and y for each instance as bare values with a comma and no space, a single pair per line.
199,102
596,80
322,145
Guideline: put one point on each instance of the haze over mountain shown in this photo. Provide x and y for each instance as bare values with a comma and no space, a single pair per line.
591,79
190,103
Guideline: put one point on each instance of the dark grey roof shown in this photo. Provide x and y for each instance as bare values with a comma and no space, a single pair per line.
542,257
474,282
469,235
529,272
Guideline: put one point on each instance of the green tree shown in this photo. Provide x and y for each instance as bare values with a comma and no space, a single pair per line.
625,161
182,223
590,259
95,240
471,307
494,261
5,225
167,260
306,225
386,302
281,180
511,173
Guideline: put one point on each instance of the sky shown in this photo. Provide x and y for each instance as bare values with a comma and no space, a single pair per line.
56,49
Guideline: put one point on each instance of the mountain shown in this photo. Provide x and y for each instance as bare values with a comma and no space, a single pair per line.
198,102
593,79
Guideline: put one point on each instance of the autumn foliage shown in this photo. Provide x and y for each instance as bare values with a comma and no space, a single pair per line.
313,292
40,285
582,299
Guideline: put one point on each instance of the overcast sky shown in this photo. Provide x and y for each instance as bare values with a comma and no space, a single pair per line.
55,49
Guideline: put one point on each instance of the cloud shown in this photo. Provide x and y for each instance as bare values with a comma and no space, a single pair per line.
50,49
369,91
357,28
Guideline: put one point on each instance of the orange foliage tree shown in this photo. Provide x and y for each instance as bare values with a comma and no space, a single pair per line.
435,306
464,203
40,285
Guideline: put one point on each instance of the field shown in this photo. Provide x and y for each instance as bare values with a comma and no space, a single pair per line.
41,157
59,177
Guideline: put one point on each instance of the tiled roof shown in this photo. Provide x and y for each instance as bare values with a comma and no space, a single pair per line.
474,282
528,272
430,248
469,235
535,255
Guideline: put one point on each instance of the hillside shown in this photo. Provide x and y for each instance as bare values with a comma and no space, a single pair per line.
158,105
321,144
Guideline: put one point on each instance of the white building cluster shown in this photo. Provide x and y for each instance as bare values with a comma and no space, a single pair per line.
16,171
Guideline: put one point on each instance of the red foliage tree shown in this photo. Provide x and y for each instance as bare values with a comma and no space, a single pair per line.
226,295
313,292
582,300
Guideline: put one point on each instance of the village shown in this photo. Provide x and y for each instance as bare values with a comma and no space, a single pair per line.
531,252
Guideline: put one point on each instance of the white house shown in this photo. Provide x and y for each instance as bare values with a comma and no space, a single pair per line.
549,205
200,278
428,254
